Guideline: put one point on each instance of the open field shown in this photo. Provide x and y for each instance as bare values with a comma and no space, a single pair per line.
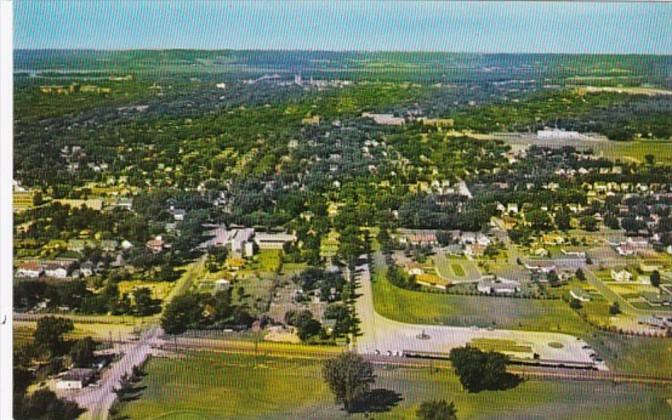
160,289
456,269
205,385
23,332
507,313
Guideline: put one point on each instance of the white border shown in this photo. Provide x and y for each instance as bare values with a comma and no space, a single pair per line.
6,168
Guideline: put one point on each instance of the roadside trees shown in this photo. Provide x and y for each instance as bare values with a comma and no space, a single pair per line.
349,377
437,410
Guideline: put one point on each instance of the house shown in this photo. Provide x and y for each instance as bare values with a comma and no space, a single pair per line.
474,250
512,208
540,266
579,295
30,269
573,253
126,245
648,268
417,236
413,268
454,249
59,270
87,269
499,287
626,250
178,214
76,378
156,245
109,245
621,275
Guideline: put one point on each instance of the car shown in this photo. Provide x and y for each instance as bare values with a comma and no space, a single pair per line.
94,385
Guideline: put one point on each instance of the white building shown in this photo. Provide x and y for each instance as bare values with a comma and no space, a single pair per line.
76,378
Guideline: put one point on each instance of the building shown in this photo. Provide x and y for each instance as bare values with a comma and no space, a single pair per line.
498,287
384,119
58,270
621,276
413,268
579,295
156,245
417,236
540,266
556,134
30,269
273,240
76,378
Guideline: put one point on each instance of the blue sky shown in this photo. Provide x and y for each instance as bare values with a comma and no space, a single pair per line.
355,25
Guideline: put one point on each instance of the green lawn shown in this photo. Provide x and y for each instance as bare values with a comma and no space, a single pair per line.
457,270
207,385
438,308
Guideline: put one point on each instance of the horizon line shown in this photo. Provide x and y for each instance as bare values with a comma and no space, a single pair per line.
669,54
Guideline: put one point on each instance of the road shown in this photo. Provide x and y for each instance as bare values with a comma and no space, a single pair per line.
98,400
381,335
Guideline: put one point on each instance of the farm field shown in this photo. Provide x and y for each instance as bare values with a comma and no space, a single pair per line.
509,313
207,385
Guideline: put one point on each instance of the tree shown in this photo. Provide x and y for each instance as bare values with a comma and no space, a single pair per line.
650,159
82,352
575,304
43,404
588,223
144,303
655,278
580,274
563,219
182,312
478,370
539,220
437,410
349,377
615,309
49,334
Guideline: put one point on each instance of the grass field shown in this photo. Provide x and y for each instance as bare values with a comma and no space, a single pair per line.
455,268
208,385
160,289
504,346
438,308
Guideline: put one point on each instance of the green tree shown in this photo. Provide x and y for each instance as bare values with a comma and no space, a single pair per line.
655,278
437,410
49,334
575,304
478,370
43,404
349,378
580,274
563,219
82,352
615,309
650,159
588,223
182,313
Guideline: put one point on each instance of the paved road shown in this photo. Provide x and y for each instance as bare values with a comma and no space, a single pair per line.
384,335
98,400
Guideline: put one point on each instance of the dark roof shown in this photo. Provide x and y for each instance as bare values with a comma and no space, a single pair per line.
78,374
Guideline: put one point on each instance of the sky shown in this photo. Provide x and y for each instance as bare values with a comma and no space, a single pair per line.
486,27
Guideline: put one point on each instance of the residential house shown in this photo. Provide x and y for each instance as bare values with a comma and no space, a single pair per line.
87,269
540,266
156,245
30,269
579,295
59,270
273,240
621,275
